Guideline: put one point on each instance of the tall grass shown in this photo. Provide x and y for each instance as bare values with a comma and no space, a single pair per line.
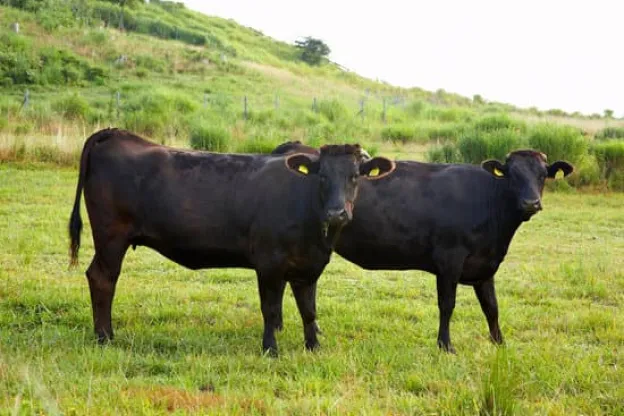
610,157
610,133
205,135
558,142
478,145
499,386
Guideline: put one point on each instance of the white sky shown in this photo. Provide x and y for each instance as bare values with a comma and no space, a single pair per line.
548,54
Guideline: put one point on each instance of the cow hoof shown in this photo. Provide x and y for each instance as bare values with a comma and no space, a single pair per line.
498,339
271,352
312,346
104,339
447,347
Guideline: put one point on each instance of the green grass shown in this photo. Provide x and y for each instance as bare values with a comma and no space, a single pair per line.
189,342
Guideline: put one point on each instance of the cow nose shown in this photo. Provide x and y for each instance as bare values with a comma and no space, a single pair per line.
532,205
337,216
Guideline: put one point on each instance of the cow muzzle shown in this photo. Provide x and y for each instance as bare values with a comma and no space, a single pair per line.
531,206
338,217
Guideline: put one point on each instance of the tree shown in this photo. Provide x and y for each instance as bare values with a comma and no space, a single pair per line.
478,99
123,3
312,50
608,113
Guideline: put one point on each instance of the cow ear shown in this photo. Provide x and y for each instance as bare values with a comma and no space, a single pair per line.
303,164
377,167
562,166
496,168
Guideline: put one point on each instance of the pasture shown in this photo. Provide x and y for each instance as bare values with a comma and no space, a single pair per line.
189,342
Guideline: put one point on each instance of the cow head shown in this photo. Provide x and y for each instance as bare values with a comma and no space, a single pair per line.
525,172
338,168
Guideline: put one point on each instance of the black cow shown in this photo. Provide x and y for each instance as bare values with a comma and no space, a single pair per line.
453,220
209,210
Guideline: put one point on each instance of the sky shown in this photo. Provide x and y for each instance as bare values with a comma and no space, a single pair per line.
548,54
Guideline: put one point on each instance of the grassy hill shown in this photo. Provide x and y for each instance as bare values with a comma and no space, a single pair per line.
186,79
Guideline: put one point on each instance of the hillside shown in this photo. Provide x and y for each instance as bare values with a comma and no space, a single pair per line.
186,79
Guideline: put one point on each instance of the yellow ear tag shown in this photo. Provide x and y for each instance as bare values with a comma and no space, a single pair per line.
303,169
559,174
498,172
374,172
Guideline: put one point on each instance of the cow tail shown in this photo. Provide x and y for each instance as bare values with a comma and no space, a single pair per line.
75,222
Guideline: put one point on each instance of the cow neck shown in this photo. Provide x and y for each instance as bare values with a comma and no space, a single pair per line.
505,221
331,237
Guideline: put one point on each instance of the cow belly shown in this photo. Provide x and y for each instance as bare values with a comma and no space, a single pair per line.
199,258
380,257
478,268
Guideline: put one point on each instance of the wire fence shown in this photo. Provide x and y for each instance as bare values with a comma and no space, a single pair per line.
117,103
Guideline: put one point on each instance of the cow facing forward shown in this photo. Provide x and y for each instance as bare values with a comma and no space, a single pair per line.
455,221
210,210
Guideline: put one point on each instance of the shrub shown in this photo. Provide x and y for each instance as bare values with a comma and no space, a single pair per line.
610,133
72,107
145,122
446,153
416,108
210,137
261,116
333,110
586,172
320,134
55,14
446,132
258,144
97,37
398,133
559,142
497,122
501,142
610,157
477,146
141,73
452,114
473,148
151,63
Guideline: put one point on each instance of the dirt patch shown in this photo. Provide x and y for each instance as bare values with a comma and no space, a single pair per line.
278,73
172,399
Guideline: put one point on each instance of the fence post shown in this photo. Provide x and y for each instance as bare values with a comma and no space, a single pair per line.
276,102
26,101
205,100
245,108
118,103
314,105
362,108
383,113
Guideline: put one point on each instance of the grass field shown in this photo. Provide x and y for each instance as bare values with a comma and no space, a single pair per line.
189,342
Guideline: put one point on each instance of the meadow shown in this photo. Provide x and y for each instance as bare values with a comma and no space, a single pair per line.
189,342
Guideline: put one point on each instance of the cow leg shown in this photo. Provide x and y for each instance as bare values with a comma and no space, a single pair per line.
280,320
102,276
271,294
305,295
487,298
447,290
450,267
